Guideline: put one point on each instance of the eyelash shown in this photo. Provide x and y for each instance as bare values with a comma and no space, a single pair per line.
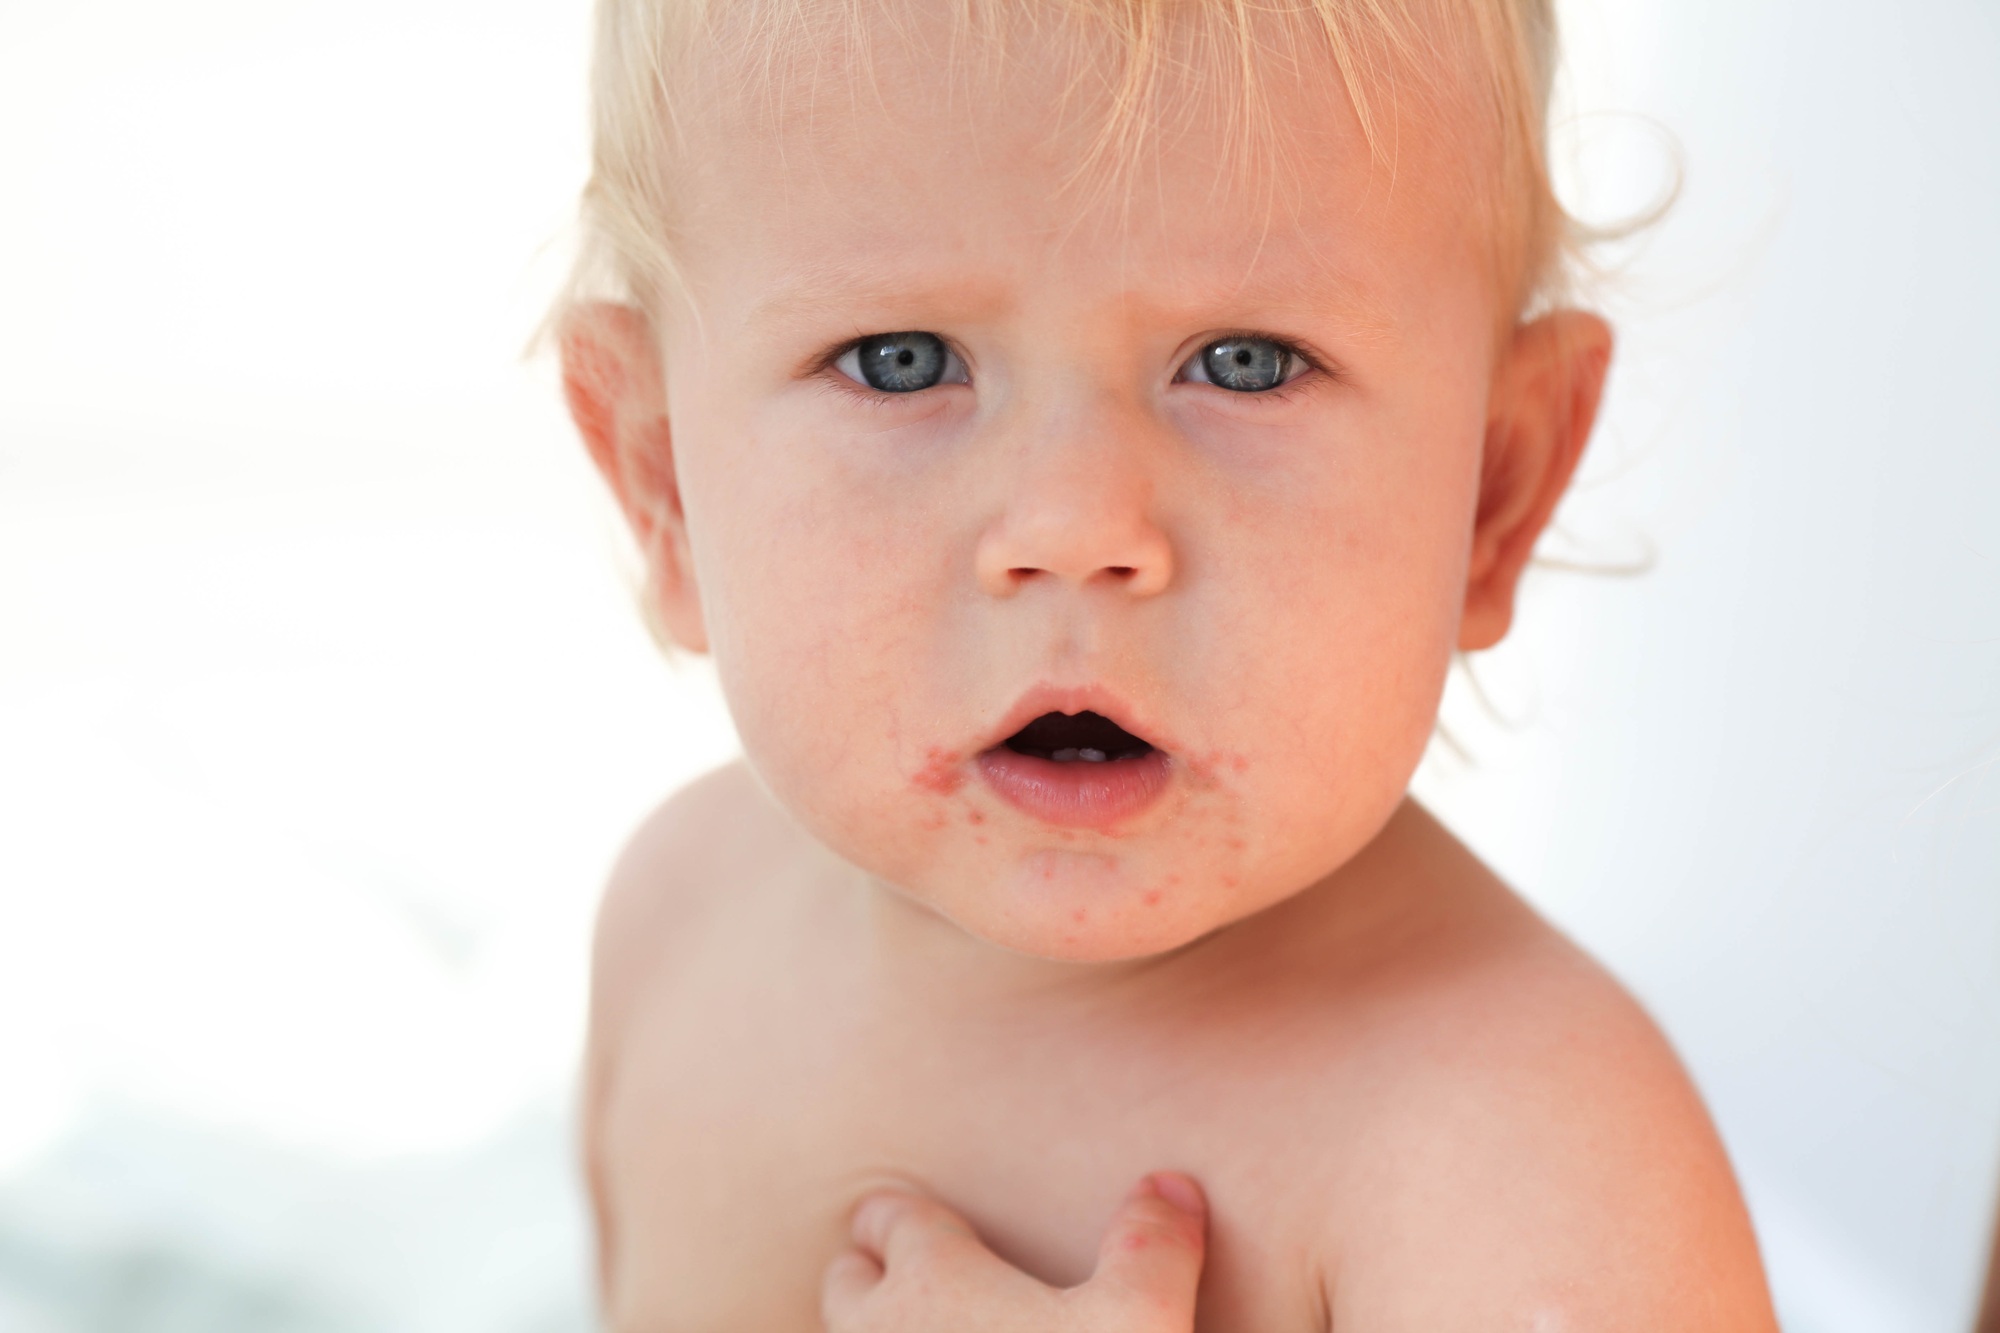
1314,368
824,368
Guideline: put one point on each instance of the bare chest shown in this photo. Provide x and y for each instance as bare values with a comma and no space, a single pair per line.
742,1123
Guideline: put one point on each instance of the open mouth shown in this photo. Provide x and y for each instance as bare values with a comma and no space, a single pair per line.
1077,770
1071,738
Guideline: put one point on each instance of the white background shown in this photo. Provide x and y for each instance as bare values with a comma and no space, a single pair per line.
323,705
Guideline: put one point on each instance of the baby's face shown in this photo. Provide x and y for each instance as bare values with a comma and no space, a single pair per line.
1085,566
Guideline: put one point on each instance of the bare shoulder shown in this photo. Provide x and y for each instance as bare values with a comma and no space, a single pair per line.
695,851
689,858
1539,1158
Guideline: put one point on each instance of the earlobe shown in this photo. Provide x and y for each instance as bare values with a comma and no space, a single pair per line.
1544,402
616,393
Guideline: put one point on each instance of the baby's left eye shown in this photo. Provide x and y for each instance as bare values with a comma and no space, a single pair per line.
1244,365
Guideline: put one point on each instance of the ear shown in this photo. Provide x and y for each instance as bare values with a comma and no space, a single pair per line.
613,381
1546,388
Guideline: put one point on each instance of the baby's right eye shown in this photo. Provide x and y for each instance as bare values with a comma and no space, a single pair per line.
901,362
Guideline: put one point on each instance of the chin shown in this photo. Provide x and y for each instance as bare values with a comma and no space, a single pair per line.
1085,907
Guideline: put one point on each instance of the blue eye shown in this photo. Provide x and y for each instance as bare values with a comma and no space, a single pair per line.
1244,365
901,362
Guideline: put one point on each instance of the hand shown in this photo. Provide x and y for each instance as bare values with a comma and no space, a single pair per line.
917,1267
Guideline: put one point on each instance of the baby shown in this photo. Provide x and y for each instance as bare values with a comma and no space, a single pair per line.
1082,431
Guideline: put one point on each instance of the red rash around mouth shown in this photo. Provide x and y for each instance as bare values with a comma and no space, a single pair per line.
940,774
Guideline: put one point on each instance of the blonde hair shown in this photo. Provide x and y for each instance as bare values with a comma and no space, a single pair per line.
1493,59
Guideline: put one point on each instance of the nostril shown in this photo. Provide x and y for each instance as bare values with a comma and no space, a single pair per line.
1123,571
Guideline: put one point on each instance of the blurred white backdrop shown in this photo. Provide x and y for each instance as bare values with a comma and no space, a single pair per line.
323,706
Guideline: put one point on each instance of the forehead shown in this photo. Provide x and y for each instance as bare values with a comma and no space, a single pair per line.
896,151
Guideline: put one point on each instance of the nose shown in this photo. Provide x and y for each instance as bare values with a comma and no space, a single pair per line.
1079,509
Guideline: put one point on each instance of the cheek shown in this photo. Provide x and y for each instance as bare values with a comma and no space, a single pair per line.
1347,568
824,611
1344,610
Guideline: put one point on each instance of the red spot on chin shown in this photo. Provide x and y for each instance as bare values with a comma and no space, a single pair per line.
975,816
1135,1241
941,772
1230,881
1152,897
1079,916
981,839
1233,844
1240,764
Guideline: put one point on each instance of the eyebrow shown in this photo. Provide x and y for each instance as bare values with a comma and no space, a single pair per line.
1354,310
845,291
838,290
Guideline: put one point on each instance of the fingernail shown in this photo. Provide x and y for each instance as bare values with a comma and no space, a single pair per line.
1179,1191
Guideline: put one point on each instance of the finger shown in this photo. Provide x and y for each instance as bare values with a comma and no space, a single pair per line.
849,1281
1154,1247
900,1229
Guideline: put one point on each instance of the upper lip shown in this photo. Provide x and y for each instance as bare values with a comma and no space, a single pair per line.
1072,700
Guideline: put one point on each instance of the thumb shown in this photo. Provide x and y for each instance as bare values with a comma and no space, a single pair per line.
1153,1250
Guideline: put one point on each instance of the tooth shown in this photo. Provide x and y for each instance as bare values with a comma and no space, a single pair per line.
1093,756
1064,756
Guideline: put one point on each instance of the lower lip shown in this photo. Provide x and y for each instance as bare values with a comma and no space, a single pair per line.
1078,794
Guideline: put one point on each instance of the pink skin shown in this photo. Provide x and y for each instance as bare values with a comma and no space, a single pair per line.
1266,587
1277,581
